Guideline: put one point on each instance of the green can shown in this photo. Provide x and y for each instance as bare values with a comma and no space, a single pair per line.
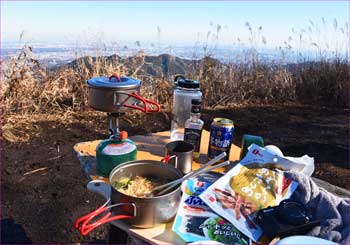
247,140
110,153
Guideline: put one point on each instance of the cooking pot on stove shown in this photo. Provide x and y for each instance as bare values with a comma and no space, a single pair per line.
118,94
139,212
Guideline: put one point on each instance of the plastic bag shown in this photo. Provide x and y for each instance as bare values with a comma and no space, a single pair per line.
195,221
242,191
272,156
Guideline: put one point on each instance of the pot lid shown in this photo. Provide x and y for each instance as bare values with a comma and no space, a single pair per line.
114,82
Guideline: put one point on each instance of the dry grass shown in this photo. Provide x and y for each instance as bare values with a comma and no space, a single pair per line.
240,83
325,82
28,88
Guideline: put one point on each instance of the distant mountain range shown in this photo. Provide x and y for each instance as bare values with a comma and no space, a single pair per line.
158,65
153,65
57,55
159,60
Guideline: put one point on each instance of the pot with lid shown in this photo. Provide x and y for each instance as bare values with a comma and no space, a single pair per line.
116,94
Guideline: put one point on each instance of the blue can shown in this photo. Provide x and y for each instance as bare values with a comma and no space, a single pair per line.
221,134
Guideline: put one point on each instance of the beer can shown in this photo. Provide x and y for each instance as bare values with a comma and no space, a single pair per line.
221,134
247,140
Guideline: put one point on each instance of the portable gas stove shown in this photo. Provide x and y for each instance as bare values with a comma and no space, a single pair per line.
116,95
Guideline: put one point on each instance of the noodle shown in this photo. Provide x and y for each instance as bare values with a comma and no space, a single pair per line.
137,187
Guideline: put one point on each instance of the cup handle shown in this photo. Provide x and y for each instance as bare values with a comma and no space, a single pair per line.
167,158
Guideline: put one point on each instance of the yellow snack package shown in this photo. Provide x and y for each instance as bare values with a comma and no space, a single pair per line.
242,191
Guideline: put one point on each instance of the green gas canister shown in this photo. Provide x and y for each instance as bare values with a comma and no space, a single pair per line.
112,152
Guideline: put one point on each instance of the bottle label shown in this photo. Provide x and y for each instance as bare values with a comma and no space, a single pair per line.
193,136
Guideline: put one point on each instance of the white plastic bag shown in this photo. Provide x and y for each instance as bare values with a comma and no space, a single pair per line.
272,155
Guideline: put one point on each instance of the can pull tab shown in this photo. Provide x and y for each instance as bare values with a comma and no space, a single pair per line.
115,75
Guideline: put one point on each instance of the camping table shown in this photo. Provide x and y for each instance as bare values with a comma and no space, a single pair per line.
151,147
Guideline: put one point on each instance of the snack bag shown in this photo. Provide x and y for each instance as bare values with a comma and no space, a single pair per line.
242,191
195,221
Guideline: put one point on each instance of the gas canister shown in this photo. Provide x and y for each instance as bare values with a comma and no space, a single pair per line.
112,152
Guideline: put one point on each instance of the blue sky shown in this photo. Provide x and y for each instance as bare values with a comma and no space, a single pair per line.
178,22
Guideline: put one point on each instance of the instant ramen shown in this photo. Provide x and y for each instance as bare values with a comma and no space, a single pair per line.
138,186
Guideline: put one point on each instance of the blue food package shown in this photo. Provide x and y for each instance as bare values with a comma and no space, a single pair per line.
195,221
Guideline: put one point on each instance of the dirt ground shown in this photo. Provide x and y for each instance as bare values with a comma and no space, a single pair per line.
43,187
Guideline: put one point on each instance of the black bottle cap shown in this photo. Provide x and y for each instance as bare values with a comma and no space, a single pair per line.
196,106
196,102
188,83
182,82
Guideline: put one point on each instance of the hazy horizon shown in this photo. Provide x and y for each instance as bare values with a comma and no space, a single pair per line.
174,22
288,31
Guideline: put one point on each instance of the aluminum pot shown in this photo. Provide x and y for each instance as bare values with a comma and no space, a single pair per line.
116,94
139,212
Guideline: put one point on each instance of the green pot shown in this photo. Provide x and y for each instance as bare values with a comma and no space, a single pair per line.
110,153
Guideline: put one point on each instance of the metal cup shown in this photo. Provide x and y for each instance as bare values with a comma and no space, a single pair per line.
180,154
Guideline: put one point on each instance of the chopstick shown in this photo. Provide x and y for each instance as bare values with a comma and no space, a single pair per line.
175,183
189,175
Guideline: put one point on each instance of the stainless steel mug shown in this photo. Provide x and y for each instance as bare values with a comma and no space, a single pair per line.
179,154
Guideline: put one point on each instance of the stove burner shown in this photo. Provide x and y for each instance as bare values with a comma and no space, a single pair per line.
113,124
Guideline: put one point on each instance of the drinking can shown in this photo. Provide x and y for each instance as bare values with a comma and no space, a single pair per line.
221,134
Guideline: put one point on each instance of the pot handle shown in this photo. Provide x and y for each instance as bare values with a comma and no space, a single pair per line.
82,223
145,102
116,77
100,187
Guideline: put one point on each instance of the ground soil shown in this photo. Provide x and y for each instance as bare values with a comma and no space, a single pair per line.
43,187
